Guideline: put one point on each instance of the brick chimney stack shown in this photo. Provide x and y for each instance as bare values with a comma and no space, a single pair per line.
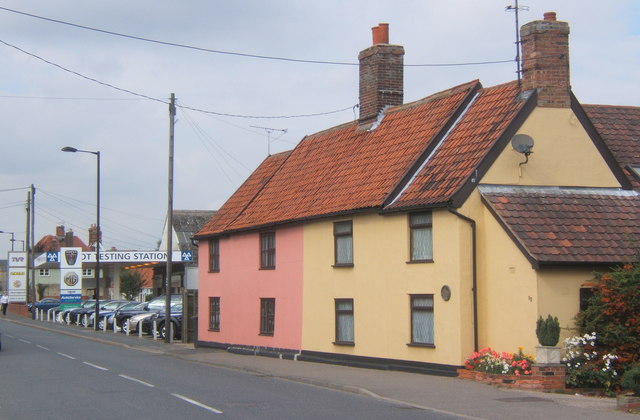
545,55
381,74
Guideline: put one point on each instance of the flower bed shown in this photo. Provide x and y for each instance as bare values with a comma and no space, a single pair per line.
542,378
513,370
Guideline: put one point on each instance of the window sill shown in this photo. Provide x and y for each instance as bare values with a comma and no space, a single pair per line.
423,345
267,268
342,265
214,330
419,261
344,343
266,334
214,271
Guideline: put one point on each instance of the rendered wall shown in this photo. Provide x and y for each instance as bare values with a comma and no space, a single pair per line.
380,284
563,154
559,291
507,291
240,284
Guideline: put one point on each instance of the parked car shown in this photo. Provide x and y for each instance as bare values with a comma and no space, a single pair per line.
175,318
121,315
44,304
108,310
155,305
64,314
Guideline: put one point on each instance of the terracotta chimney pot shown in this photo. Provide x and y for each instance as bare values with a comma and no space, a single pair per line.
380,34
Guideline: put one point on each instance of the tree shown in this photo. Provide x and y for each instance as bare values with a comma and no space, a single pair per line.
613,312
131,283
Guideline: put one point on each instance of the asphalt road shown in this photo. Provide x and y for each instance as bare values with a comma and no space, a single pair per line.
48,375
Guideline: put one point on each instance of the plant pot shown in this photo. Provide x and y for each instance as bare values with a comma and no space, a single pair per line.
547,355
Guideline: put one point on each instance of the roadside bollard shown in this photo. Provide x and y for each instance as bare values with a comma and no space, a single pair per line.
85,322
140,328
115,325
155,329
128,325
104,324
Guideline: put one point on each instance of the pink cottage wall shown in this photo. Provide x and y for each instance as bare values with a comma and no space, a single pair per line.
241,283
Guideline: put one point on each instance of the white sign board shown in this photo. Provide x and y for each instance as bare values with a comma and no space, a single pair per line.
70,275
17,277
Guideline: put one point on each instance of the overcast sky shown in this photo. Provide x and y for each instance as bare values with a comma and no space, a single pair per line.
48,100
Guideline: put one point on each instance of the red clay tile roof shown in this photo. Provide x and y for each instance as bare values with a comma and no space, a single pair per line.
348,168
468,143
619,127
553,225
244,195
52,243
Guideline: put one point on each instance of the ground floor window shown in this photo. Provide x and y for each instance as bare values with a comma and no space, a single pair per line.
344,321
267,316
214,314
585,294
422,328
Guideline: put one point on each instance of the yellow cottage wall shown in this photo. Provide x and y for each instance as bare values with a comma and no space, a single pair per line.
563,154
511,294
380,284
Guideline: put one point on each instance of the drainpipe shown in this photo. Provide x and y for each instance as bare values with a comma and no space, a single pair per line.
474,280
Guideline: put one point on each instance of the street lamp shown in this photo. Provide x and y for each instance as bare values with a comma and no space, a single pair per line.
97,274
12,238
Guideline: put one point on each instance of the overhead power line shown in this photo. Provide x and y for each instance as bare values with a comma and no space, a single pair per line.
239,54
109,85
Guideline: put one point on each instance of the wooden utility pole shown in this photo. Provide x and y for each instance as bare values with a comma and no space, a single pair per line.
28,247
168,335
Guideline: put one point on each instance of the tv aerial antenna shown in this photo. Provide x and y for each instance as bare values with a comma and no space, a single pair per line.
516,9
270,130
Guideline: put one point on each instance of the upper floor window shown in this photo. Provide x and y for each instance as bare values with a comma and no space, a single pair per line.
87,272
421,236
268,250
214,255
343,240
44,272
267,316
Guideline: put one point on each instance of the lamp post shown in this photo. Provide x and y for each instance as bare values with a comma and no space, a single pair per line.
12,238
97,274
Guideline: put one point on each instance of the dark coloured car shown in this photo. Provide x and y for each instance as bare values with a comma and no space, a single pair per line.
65,315
155,305
159,318
121,315
45,304
108,310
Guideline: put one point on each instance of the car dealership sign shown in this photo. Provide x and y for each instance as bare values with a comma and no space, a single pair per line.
124,256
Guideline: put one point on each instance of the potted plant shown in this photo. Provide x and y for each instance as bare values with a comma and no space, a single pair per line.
548,333
630,381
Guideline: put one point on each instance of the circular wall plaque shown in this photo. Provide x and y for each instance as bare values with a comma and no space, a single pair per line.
445,292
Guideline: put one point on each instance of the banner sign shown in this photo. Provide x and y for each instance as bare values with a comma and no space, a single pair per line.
116,257
70,275
17,283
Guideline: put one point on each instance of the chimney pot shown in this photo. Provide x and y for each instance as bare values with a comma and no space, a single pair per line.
380,34
550,16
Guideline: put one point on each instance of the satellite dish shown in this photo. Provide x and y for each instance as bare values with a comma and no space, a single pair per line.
522,143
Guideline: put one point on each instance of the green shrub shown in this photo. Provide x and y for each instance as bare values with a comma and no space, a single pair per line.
548,331
631,379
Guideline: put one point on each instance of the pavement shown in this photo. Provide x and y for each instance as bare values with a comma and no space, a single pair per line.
460,398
